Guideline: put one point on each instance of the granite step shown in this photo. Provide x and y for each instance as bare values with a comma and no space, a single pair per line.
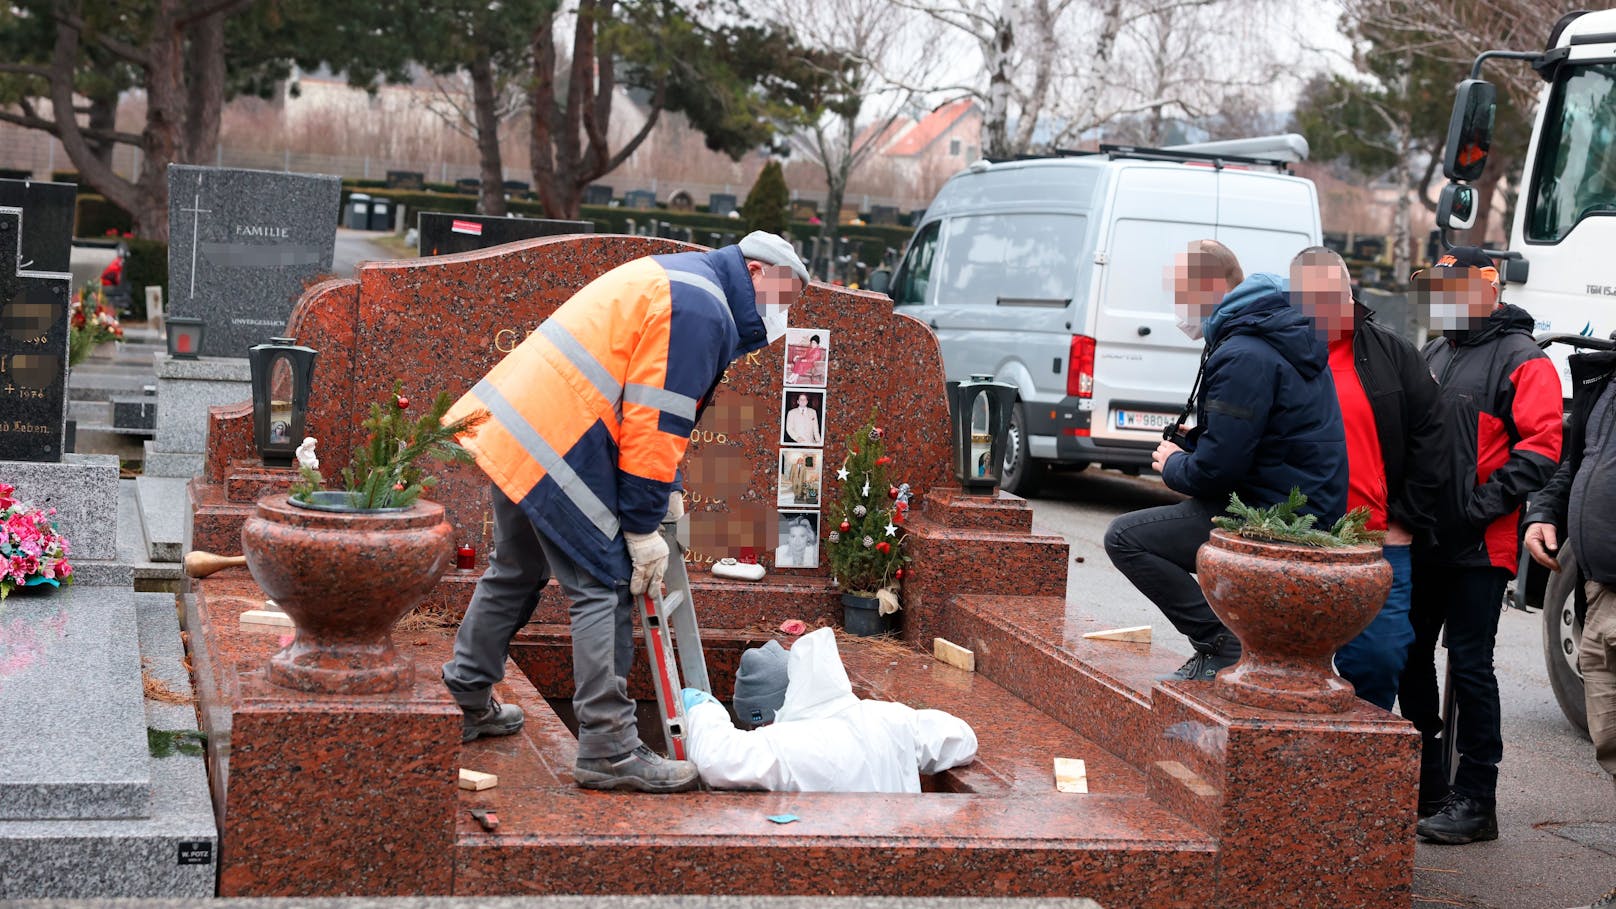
172,853
1034,647
87,413
132,543
72,725
164,512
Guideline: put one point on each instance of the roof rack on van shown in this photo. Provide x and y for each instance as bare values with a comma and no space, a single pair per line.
1218,154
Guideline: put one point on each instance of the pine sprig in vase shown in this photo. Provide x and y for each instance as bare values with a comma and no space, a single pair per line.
866,536
386,471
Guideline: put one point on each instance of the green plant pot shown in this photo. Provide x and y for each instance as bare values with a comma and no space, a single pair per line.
861,616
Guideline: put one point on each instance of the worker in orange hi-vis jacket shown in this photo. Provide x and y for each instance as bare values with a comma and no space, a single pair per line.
589,419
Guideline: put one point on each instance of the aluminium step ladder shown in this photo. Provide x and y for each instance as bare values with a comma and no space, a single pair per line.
673,644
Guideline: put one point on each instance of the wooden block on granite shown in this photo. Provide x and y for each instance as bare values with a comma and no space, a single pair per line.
1138,634
266,618
1071,775
477,781
953,654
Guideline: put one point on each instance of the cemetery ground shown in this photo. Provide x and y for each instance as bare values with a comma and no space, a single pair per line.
1556,842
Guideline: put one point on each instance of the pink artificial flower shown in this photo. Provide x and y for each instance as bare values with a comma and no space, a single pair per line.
64,570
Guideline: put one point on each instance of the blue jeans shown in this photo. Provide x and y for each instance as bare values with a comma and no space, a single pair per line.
1373,661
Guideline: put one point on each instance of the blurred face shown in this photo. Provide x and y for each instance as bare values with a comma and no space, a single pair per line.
1321,288
1459,298
797,537
802,400
776,288
1197,291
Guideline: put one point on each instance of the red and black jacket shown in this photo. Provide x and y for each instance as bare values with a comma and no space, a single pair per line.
1503,413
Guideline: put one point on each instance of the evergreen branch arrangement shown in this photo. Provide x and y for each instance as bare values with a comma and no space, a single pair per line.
866,539
1282,523
386,471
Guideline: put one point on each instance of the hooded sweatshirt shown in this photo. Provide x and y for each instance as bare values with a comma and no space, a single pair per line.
824,738
1267,417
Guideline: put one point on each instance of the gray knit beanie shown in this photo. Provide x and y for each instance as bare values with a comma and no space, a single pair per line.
760,684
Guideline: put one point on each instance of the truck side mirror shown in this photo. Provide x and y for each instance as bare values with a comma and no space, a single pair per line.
1456,209
880,281
1470,130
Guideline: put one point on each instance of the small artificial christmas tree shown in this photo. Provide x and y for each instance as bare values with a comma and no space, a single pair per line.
866,522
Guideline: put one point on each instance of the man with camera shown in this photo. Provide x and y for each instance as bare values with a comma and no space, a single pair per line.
1266,421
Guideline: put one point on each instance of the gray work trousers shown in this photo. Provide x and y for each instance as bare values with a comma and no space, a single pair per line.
602,632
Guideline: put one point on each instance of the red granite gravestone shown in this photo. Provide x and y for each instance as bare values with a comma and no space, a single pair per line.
1191,798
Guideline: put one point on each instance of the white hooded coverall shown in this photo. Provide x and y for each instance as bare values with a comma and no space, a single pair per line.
824,739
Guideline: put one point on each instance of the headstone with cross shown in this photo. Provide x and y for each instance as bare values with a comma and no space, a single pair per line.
242,246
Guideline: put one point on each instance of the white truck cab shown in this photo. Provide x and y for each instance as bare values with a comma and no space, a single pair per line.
1048,274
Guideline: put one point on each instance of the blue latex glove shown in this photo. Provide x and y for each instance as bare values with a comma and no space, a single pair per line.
694,696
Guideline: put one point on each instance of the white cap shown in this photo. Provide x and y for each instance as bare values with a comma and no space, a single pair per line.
772,249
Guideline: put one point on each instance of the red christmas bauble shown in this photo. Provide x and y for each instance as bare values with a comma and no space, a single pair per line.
898,574
845,527
892,492
403,403
883,547
897,517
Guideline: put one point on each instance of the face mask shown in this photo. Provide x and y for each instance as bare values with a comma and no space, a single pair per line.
1188,324
774,320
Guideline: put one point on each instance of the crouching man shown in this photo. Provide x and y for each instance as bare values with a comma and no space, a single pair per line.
812,734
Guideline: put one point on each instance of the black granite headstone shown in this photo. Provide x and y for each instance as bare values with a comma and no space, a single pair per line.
242,245
443,233
640,199
721,203
33,352
597,194
406,179
47,236
884,214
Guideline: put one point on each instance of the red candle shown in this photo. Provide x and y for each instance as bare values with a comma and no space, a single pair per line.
466,558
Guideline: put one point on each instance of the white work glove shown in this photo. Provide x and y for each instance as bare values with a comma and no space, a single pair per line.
649,553
676,507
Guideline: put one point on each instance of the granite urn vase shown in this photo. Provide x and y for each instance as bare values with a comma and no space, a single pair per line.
1292,607
345,577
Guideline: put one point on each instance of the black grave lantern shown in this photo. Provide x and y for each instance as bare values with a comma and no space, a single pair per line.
281,374
980,409
184,336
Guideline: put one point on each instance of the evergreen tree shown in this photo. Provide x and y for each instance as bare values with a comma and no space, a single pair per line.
866,538
767,205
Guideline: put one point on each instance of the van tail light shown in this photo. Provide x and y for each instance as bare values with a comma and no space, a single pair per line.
1080,371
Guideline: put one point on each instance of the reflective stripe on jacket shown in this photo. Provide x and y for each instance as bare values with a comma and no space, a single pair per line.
591,414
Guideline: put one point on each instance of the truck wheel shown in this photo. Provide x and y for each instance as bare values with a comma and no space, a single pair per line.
1562,630
1021,475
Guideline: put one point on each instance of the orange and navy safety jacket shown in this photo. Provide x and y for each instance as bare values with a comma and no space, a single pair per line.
591,414
1504,413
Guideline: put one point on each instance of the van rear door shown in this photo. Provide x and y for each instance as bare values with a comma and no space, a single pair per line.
1266,219
1143,364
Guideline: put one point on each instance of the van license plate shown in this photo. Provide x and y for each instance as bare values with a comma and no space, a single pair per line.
1144,419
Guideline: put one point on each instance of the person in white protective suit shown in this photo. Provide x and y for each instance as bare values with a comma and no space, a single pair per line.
822,738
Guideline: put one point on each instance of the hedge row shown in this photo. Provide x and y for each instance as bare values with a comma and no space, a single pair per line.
94,216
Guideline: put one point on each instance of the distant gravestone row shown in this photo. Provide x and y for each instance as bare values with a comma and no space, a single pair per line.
442,233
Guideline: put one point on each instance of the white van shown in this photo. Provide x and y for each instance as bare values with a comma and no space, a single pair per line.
1048,274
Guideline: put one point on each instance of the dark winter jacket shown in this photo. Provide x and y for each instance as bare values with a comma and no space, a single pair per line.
1267,418
1408,420
1581,498
1502,408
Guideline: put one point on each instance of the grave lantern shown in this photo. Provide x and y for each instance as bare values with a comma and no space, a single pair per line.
980,410
184,336
281,373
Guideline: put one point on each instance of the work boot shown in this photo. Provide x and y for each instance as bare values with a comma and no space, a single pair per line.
1223,652
641,770
1430,807
493,719
1462,820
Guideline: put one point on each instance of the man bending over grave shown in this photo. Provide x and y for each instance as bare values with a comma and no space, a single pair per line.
590,417
811,734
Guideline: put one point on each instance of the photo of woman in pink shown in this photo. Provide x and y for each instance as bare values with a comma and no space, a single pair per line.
807,356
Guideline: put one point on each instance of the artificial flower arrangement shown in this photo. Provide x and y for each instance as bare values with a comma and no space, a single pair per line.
866,539
32,551
385,472
93,323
